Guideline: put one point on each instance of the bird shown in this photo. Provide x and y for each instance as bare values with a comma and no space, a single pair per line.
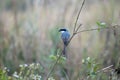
65,36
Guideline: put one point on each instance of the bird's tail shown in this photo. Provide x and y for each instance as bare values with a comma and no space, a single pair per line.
64,51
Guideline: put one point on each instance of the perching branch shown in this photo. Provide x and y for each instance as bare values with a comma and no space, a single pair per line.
75,26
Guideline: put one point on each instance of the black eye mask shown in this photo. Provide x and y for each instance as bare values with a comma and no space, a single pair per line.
62,30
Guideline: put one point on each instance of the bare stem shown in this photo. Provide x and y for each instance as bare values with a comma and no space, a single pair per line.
105,68
75,30
78,16
53,67
115,26
78,27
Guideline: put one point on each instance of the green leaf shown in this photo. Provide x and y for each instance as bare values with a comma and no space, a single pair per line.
101,25
62,60
53,57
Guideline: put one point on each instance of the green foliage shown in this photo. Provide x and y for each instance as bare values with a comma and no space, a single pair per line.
35,71
27,72
92,66
32,71
3,74
61,60
55,57
101,25
51,78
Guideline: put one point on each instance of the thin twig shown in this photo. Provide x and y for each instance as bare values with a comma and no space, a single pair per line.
75,30
78,16
98,29
53,66
78,27
71,38
100,71
105,68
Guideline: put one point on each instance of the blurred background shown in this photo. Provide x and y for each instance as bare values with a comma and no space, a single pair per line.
29,32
